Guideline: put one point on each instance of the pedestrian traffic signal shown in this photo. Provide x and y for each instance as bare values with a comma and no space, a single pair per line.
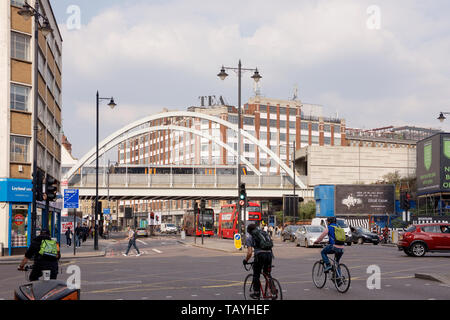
242,192
51,189
38,182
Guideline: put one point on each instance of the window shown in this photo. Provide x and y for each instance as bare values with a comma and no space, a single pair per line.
292,138
283,110
263,122
273,110
315,139
20,46
314,127
18,3
292,124
327,140
304,138
41,62
327,128
233,119
49,79
249,121
431,229
20,149
304,125
20,97
337,141
282,136
273,123
262,108
337,129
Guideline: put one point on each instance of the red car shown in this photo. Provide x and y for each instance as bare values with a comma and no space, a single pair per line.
422,238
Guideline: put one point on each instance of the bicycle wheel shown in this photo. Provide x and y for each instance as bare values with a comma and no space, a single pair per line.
318,275
275,289
248,287
342,280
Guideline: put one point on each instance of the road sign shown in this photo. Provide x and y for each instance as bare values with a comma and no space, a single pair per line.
107,211
242,202
71,198
237,241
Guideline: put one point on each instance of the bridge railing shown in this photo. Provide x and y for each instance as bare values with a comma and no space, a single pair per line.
182,181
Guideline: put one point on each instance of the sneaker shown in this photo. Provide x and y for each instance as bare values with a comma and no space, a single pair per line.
138,254
327,268
124,254
255,295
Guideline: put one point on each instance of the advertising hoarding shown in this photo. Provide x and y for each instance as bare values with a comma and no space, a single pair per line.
357,199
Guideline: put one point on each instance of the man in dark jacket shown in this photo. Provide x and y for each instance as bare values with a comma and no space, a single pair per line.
45,253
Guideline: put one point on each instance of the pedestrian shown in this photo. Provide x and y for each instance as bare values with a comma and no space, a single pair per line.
131,242
271,231
265,228
78,236
69,234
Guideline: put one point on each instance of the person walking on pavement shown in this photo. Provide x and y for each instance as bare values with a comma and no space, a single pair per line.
78,236
131,242
69,235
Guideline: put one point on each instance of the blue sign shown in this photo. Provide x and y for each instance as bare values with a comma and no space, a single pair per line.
237,236
71,198
16,190
107,211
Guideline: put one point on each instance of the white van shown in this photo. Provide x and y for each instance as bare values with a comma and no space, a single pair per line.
168,228
340,222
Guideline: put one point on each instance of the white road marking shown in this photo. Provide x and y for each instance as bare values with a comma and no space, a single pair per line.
194,295
168,297
141,242
157,251
217,294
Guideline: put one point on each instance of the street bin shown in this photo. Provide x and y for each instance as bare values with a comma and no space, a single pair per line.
395,236
183,234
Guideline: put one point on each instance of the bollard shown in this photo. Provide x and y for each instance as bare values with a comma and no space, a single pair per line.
183,235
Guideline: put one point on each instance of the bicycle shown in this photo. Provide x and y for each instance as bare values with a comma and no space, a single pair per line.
340,275
270,291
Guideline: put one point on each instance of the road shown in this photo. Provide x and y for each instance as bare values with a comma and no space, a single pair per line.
170,270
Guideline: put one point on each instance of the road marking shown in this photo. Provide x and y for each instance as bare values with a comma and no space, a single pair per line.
157,251
141,242
194,295
217,294
168,297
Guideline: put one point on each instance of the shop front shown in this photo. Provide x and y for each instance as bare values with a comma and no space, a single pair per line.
15,215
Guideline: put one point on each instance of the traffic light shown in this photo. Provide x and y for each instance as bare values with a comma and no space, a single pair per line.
242,192
406,204
38,178
203,204
195,207
51,189
152,215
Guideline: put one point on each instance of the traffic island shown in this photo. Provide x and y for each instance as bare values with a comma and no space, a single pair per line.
442,278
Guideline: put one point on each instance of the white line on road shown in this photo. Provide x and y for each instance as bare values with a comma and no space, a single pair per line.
168,297
157,251
141,242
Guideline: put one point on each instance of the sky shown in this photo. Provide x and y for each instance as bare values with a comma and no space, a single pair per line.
374,63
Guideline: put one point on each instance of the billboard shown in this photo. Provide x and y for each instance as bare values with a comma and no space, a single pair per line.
364,199
433,164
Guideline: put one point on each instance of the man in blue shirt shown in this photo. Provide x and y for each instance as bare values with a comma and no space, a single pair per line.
334,246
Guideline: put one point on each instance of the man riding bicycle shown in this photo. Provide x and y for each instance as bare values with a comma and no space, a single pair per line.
335,246
263,257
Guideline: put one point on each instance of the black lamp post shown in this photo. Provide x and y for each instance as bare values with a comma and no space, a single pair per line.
256,77
112,105
27,12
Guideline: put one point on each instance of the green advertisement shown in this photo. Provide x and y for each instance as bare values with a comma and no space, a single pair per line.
429,160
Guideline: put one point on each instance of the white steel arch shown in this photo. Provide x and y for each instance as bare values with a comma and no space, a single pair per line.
187,114
133,134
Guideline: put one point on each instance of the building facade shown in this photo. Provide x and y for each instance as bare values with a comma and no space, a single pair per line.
17,74
277,124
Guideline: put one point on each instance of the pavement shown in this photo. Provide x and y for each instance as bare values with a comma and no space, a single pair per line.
67,253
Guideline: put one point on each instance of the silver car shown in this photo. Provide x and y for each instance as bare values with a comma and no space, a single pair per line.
307,235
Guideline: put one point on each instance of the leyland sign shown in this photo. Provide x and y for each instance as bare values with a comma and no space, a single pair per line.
433,164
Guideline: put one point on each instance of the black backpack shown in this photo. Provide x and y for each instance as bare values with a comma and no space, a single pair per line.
262,239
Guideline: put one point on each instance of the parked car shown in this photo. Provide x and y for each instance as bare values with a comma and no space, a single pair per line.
420,239
168,228
361,235
142,232
306,235
340,222
289,233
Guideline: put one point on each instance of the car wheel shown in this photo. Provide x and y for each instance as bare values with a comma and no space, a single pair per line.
375,243
418,249
408,253
360,240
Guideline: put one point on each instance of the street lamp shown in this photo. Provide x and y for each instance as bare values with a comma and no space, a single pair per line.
441,117
112,105
256,77
28,12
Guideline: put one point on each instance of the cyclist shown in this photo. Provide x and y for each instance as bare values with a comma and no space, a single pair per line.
45,253
262,259
334,246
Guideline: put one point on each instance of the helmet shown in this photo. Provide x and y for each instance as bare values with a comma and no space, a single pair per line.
331,220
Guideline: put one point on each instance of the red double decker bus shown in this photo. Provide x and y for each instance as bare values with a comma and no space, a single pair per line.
189,222
228,218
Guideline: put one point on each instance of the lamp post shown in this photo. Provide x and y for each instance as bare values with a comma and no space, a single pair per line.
27,12
112,105
256,77
441,117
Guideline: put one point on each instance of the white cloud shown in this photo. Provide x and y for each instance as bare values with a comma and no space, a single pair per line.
398,73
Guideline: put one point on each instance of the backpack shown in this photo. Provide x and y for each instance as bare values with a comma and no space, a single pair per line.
49,248
339,235
262,239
